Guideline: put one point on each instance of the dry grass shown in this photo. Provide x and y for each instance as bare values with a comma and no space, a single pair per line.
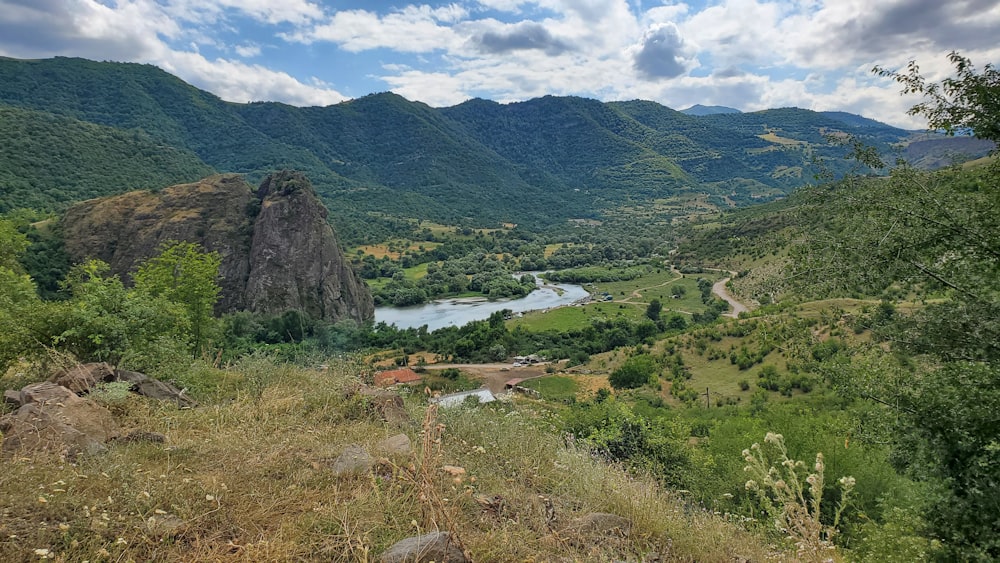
249,479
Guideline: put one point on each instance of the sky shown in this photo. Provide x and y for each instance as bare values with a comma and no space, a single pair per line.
745,54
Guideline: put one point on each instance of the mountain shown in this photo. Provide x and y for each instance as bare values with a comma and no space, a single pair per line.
277,250
381,156
699,110
49,160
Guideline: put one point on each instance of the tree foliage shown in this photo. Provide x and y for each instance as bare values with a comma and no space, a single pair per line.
183,273
935,236
970,99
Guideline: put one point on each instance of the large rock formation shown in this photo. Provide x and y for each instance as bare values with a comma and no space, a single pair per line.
278,251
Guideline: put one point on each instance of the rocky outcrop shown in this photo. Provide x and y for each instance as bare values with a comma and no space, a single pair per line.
52,418
277,250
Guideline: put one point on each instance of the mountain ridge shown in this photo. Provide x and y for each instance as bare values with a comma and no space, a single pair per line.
537,161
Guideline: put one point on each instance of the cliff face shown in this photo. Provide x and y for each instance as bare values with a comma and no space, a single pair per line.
278,252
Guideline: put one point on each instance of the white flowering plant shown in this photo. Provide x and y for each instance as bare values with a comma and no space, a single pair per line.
791,493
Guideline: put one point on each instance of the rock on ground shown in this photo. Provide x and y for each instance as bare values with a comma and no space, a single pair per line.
53,418
154,388
352,461
82,377
435,546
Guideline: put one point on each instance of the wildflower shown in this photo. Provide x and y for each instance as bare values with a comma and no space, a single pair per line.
772,438
819,463
846,482
43,552
780,484
751,485
812,479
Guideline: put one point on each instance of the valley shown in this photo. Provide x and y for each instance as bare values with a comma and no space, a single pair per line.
682,317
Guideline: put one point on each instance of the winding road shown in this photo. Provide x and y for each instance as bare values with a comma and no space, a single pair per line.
720,290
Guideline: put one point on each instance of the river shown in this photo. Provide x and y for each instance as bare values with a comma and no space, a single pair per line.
457,312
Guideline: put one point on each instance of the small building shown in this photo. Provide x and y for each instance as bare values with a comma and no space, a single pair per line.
512,383
457,399
392,377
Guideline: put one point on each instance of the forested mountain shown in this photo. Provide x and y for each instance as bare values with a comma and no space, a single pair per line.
530,162
699,109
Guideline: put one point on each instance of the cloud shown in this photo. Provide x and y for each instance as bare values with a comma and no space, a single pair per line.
662,53
519,37
266,11
240,82
413,29
138,31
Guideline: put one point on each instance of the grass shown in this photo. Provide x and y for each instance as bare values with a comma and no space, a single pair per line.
568,318
559,388
248,479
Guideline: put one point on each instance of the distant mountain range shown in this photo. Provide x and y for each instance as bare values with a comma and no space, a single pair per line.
75,129
699,109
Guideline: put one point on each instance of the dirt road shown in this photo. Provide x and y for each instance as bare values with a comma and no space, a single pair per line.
495,375
719,289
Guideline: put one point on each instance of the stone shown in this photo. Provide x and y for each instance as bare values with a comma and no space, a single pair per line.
45,393
398,445
385,404
435,546
154,388
12,397
52,418
33,429
82,377
352,461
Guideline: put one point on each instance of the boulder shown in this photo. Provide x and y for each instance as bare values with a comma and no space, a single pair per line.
82,377
76,426
435,546
45,393
12,397
352,461
154,388
398,445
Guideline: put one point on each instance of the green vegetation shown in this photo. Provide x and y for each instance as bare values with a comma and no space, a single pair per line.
872,348
380,158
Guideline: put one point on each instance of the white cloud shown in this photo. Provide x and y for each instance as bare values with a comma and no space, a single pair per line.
247,51
267,11
413,29
239,82
136,31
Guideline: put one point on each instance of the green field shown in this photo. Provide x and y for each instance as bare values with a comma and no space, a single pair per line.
567,318
554,388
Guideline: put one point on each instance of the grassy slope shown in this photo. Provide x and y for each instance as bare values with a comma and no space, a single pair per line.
248,478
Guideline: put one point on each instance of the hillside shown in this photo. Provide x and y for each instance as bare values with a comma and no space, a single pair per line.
50,160
529,162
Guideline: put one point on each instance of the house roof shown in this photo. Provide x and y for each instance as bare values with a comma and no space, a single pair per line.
394,376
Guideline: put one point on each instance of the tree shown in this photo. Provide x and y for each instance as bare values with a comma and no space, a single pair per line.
937,235
185,274
635,372
969,99
653,310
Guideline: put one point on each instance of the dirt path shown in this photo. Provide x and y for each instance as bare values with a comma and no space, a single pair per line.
494,376
720,290
636,294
